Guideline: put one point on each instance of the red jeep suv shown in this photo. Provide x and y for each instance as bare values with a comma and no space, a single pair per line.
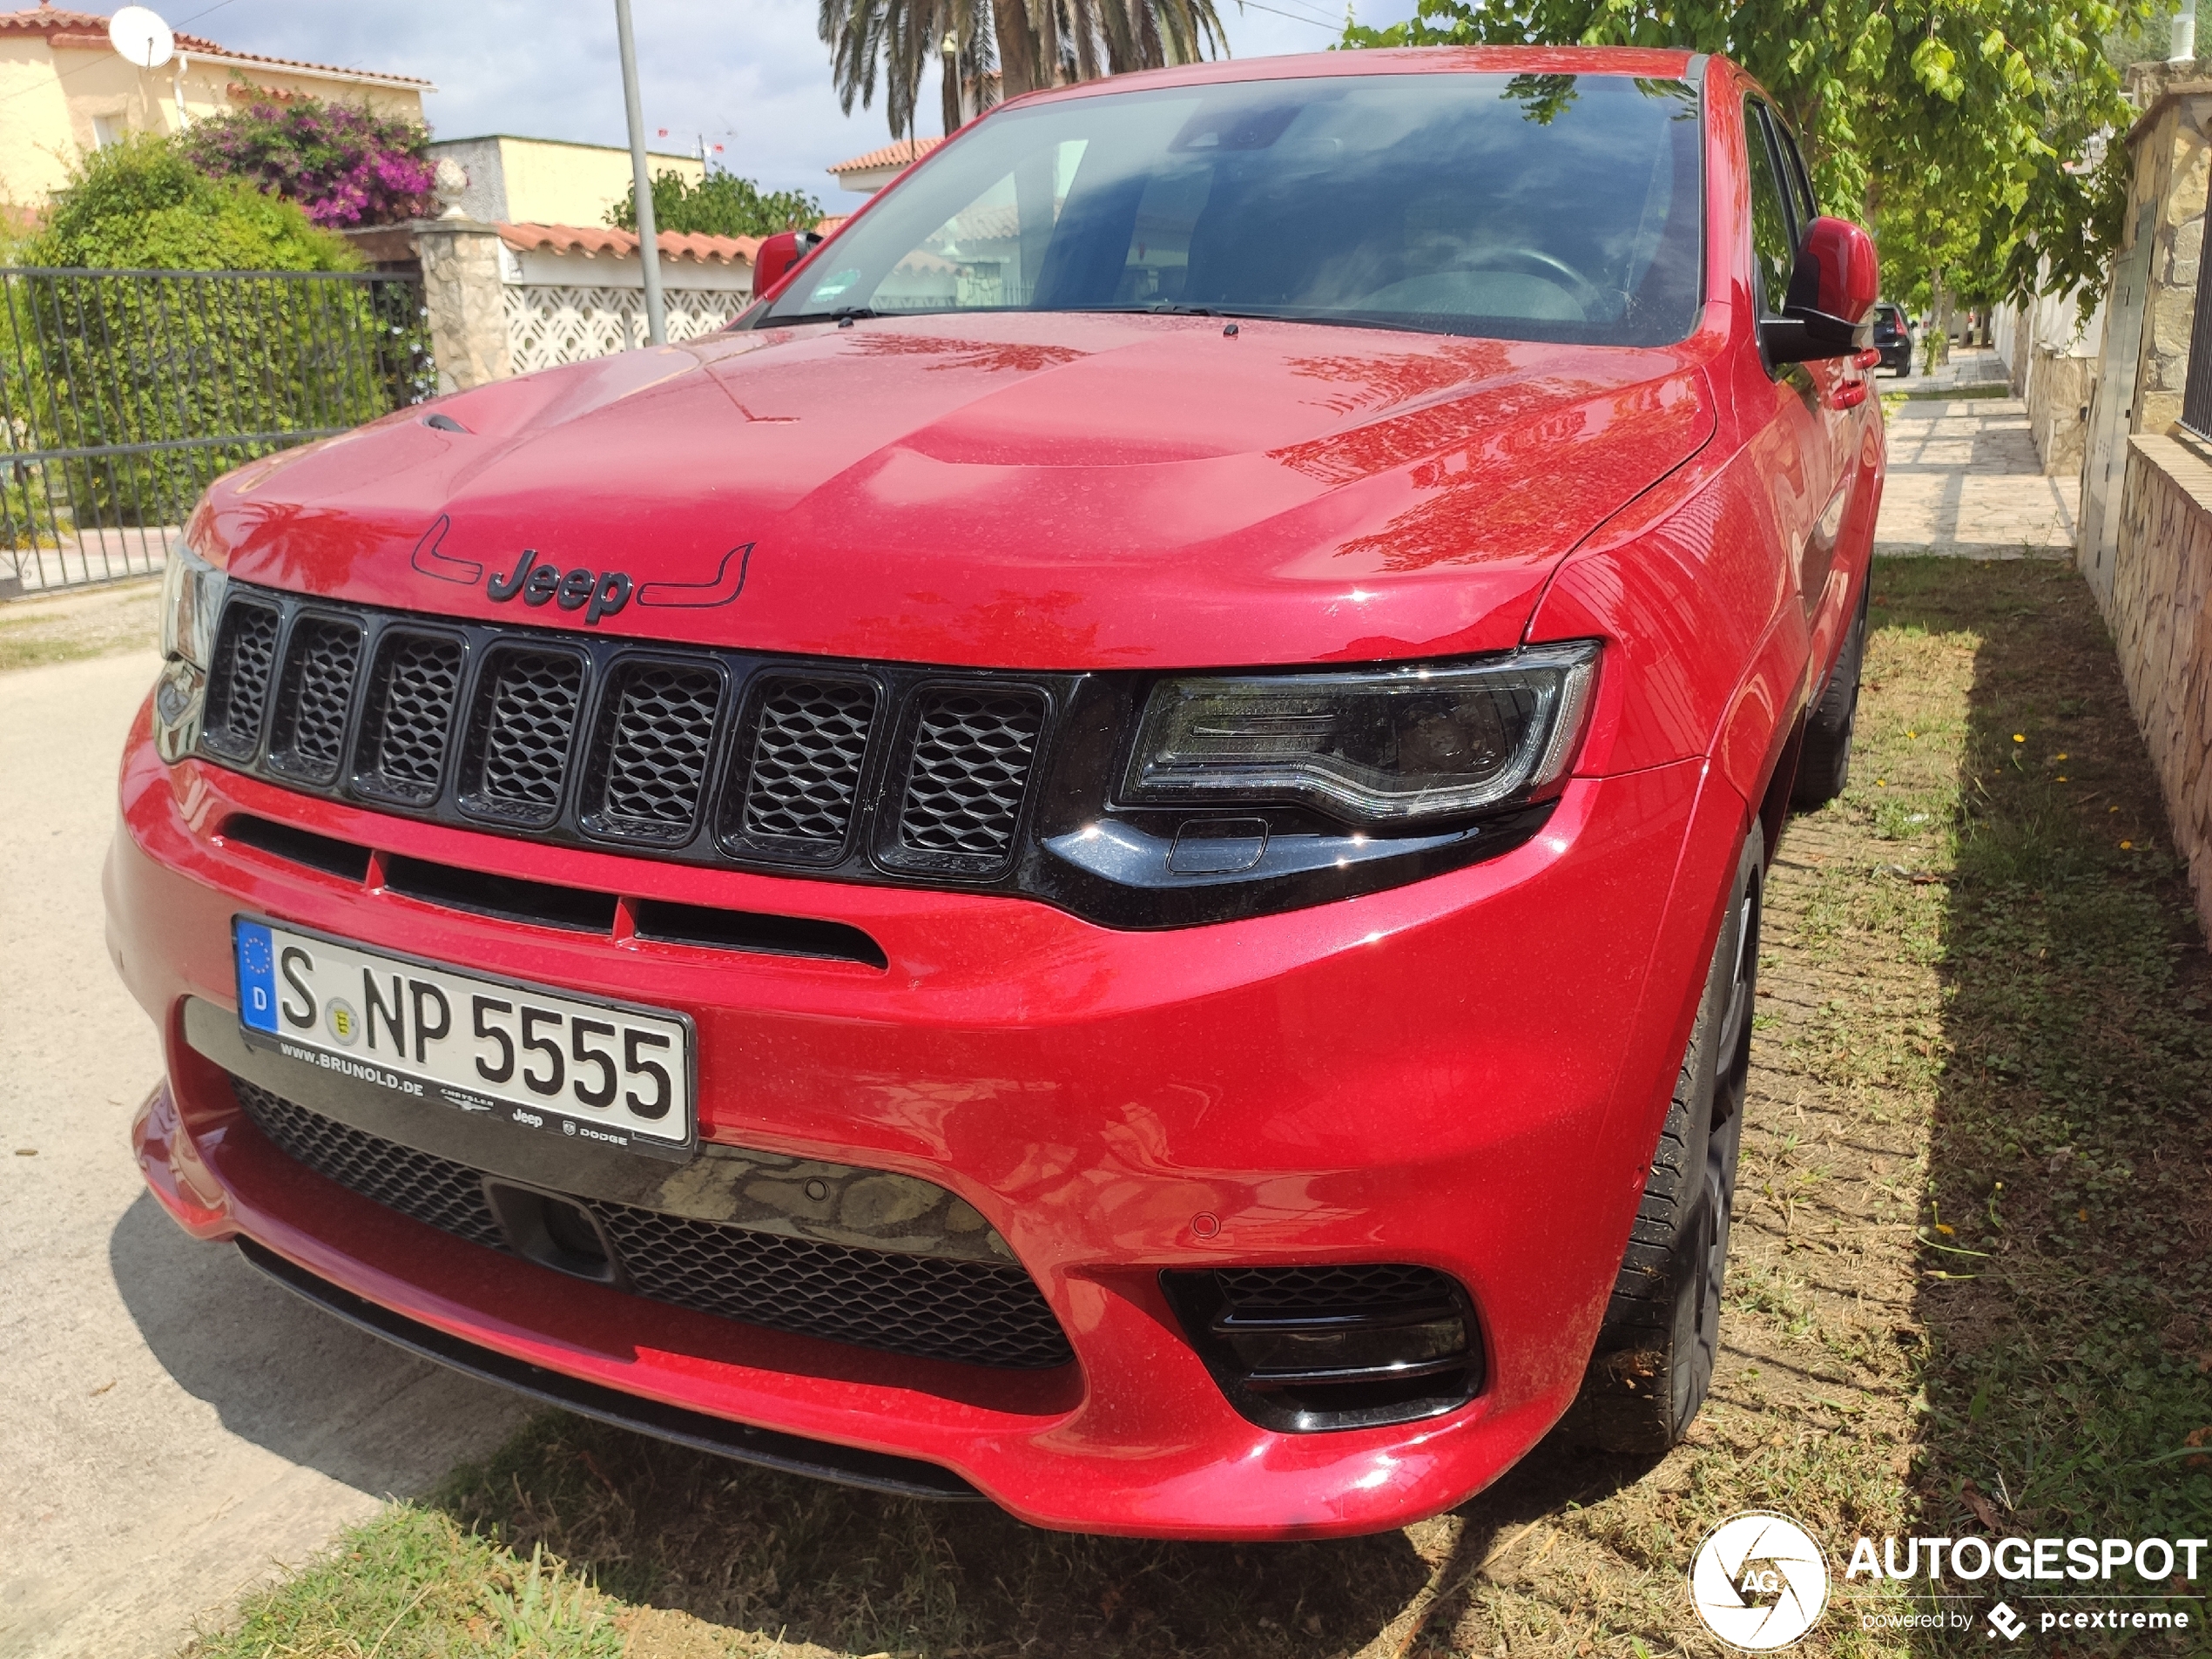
1107,857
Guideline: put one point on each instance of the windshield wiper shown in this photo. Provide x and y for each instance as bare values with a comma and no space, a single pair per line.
846,315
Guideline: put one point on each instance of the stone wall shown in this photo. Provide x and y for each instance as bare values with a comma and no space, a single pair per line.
2173,159
2162,626
2058,386
461,290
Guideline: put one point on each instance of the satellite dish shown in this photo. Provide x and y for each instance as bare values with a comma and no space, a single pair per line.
140,36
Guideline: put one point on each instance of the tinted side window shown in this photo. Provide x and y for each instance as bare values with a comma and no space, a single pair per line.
1772,250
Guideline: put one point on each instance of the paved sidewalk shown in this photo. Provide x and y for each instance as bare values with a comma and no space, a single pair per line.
1964,480
176,1424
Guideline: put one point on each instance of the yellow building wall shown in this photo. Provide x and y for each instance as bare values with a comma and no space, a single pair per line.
50,101
35,148
551,183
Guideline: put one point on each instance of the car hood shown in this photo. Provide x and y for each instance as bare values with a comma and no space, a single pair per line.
1022,492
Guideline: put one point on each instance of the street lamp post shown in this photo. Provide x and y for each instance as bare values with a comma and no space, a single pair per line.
648,233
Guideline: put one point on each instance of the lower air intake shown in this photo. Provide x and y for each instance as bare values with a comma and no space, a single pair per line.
977,1313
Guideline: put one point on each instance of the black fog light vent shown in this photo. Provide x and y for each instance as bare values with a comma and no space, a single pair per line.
1301,1350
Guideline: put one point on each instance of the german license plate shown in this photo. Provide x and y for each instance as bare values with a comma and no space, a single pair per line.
599,1072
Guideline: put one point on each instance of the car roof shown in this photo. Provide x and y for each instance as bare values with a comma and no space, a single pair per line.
1651,64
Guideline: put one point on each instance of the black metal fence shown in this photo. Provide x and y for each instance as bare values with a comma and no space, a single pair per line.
123,393
2197,390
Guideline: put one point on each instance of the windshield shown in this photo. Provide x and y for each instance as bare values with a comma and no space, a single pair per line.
1558,207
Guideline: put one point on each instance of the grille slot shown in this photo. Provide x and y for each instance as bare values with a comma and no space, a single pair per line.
965,781
434,1191
238,687
657,733
527,728
810,740
313,696
985,1313
409,718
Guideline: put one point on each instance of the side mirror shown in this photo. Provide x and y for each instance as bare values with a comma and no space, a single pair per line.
1829,311
779,255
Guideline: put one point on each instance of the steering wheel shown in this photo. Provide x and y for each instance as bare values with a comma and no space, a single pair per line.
1546,268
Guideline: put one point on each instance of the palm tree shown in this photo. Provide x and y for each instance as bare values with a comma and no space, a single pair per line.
1032,43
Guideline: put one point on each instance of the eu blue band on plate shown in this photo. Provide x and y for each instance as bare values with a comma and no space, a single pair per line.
256,977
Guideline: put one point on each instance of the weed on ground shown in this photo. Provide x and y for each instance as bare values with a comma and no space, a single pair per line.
60,628
1967,1292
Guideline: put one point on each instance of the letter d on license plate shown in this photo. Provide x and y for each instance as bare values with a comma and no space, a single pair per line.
596,1072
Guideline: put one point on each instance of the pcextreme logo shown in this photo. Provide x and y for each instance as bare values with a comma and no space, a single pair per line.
1758,1581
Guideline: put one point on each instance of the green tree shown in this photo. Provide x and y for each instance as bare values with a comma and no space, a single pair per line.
141,205
1033,43
1957,128
720,205
250,340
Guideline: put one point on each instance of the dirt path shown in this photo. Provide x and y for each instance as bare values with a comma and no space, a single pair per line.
175,1423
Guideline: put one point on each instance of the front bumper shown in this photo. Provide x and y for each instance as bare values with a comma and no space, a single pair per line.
1465,1073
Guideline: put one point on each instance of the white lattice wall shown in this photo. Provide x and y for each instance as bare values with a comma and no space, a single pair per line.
549,324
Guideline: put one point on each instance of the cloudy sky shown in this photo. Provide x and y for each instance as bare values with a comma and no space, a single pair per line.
750,75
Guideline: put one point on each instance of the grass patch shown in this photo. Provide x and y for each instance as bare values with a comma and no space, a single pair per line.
97,621
1981,1027
1992,388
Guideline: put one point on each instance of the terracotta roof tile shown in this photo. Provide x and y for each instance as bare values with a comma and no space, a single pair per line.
88,31
591,241
892,155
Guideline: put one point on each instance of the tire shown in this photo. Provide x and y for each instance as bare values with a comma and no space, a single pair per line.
1823,759
1653,1361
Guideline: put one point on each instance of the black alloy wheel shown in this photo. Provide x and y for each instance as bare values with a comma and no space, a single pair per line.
1653,1361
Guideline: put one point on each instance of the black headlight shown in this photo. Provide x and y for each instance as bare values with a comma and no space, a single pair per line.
1385,747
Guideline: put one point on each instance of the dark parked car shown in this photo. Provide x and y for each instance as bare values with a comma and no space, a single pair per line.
1893,338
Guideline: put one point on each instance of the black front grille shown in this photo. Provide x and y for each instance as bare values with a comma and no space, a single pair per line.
982,1314
529,727
660,719
320,661
409,721
237,689
802,779
865,772
971,762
